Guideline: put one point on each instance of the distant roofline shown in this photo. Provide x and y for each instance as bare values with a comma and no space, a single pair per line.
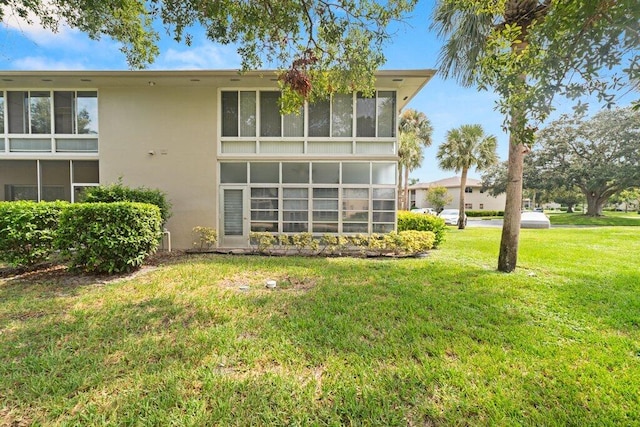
451,182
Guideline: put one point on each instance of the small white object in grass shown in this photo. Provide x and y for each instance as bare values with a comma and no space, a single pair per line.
244,287
270,284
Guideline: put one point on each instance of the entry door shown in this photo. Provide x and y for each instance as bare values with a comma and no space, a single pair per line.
233,218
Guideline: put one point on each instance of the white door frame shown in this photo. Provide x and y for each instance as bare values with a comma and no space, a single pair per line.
234,240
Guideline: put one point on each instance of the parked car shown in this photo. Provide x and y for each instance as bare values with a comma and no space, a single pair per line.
451,216
424,211
534,220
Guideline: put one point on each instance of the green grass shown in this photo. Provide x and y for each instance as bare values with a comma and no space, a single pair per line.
607,219
442,340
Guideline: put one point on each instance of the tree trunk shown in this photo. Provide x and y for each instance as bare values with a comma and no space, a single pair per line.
569,208
511,226
463,185
595,202
508,257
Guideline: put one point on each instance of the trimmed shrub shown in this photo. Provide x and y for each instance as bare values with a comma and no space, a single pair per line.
27,231
121,193
404,243
205,238
421,222
415,242
476,214
109,237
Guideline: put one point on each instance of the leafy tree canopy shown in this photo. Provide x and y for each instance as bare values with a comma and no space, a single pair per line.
569,47
601,156
320,46
438,197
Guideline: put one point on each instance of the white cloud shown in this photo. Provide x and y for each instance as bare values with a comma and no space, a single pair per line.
207,56
41,36
42,63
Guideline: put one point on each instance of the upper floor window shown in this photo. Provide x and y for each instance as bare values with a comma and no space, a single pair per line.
332,117
239,113
30,112
375,117
75,112
468,190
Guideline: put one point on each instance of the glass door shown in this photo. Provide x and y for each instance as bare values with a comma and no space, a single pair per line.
233,218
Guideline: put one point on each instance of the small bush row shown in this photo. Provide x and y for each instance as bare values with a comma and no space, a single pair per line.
476,214
92,237
410,221
408,242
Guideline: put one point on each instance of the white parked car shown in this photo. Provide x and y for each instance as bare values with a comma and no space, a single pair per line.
424,211
450,216
534,220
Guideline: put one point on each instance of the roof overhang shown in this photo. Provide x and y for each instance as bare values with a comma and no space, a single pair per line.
407,83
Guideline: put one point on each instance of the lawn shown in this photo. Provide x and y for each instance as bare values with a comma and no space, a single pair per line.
441,340
607,219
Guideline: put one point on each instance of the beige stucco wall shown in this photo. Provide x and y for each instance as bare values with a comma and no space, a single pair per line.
177,124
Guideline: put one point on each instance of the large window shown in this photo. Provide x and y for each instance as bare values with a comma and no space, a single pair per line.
319,118
46,180
49,121
375,117
75,112
239,112
295,210
318,197
331,118
264,209
270,123
29,112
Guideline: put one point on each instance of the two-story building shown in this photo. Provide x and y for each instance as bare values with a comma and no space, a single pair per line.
475,197
214,141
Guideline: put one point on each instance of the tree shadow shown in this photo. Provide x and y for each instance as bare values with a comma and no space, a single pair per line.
392,332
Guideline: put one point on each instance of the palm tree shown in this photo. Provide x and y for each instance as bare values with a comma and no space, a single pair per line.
468,31
411,157
415,133
467,147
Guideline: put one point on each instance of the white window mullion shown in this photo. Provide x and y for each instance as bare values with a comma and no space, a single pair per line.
71,181
239,115
28,121
74,113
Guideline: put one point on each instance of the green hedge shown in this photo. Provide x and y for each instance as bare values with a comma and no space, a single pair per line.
27,231
422,222
109,237
121,193
476,214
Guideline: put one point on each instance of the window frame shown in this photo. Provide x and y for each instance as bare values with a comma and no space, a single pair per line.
326,146
15,143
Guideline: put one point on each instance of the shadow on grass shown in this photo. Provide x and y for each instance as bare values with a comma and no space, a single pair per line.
386,342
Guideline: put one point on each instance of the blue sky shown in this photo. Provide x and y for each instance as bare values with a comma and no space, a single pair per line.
29,47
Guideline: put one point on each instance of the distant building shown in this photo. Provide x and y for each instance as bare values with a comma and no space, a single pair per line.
474,198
